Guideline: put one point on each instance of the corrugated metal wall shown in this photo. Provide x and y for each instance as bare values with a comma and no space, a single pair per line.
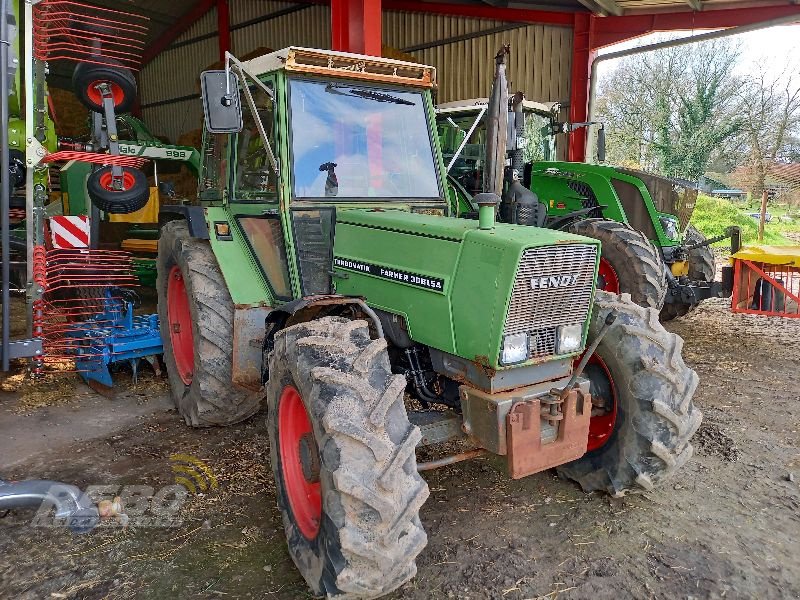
539,64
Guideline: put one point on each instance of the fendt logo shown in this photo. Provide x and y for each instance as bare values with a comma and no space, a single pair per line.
553,281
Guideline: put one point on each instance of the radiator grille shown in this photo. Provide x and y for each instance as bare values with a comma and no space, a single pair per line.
553,287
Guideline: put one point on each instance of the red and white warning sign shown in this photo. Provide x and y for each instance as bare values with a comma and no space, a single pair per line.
70,232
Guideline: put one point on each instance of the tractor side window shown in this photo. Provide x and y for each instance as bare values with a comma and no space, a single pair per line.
265,236
256,179
215,165
313,236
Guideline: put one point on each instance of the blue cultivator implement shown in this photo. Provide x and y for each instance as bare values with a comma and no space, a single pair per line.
113,337
85,319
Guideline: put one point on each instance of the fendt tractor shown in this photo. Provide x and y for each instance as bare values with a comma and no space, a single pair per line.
649,248
326,275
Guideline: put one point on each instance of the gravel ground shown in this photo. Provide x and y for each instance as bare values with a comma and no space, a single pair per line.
727,526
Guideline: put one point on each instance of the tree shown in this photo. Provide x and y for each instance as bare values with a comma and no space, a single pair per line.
672,109
770,105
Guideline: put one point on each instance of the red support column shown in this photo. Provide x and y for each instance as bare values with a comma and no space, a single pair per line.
582,57
223,28
356,26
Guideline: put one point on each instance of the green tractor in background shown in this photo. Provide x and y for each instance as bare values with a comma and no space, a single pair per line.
650,250
325,275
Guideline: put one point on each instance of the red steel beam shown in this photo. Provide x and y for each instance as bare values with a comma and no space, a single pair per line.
356,26
178,28
582,57
223,28
611,30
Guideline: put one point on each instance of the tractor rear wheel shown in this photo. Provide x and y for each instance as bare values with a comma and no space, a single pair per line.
644,394
629,263
343,454
195,311
702,267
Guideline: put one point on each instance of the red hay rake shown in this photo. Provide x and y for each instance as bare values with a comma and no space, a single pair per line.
78,32
761,288
95,158
76,306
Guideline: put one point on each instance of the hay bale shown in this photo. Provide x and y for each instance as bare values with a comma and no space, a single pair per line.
71,117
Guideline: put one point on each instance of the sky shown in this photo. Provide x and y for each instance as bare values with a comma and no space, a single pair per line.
767,49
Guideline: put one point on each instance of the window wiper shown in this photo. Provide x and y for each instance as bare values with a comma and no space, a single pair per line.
332,88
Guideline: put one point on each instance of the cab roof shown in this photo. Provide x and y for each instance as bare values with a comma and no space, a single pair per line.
345,65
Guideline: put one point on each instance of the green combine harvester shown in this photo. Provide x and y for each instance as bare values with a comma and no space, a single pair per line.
650,250
326,276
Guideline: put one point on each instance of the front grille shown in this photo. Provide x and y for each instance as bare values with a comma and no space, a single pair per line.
553,287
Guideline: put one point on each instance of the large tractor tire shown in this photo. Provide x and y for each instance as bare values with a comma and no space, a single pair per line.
641,434
196,315
702,267
343,455
629,263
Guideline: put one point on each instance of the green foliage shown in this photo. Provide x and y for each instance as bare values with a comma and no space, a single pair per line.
713,215
671,111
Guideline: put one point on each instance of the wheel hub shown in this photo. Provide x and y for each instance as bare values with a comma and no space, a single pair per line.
180,325
300,464
607,278
309,458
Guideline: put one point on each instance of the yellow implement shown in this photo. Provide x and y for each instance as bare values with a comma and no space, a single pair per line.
772,255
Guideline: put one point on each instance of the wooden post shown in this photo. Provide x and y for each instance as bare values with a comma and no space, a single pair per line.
763,216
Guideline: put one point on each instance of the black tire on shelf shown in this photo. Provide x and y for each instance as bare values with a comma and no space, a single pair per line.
368,532
702,267
122,81
125,201
636,261
653,388
209,397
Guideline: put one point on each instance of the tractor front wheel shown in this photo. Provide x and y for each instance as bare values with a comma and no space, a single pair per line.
643,416
343,454
195,312
629,263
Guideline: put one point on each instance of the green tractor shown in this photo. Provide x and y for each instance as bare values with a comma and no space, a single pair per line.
326,276
649,248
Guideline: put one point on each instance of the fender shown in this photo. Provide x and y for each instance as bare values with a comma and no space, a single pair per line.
308,309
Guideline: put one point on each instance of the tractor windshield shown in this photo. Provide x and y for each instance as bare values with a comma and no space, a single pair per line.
357,141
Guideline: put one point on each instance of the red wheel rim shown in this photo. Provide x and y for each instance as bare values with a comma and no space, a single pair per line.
128,181
607,279
180,325
294,429
93,93
602,426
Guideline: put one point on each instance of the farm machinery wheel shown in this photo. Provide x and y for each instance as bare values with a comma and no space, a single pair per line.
648,389
196,315
702,267
629,263
121,82
133,196
343,454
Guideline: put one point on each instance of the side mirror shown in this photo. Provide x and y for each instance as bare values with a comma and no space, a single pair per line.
601,144
221,107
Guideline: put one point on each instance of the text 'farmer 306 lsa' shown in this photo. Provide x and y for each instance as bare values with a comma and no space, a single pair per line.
325,266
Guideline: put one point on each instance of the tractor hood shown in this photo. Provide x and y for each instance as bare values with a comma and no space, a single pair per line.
454,282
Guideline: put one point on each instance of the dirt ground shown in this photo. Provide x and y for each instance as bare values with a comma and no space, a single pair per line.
728,526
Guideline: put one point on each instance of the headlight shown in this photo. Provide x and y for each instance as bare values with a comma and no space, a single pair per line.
670,227
569,338
515,349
